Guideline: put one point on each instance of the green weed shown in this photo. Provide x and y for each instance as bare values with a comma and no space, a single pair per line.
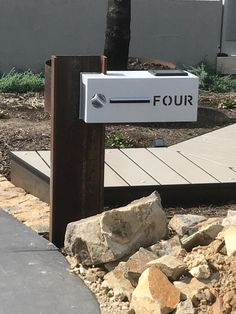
210,80
119,140
4,115
21,82
229,103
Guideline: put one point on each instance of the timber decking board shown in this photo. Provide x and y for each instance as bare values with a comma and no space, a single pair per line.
184,167
34,160
220,172
202,169
127,169
33,182
217,146
225,133
112,179
161,172
212,151
153,166
45,155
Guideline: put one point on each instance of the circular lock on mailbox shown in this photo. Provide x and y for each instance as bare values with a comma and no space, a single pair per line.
98,101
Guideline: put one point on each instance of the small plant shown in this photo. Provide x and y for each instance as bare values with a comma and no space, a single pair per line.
222,84
229,103
4,115
118,140
21,82
201,72
210,80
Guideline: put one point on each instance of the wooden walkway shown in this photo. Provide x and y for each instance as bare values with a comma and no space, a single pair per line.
205,165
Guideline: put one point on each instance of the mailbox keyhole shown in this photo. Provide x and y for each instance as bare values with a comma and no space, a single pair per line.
98,101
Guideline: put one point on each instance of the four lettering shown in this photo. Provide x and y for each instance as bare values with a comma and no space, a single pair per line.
176,100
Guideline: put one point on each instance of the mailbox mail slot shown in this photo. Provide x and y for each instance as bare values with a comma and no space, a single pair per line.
138,96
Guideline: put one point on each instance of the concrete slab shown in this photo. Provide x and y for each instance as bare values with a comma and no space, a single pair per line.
34,276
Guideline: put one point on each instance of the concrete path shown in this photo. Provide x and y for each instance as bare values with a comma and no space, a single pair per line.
33,275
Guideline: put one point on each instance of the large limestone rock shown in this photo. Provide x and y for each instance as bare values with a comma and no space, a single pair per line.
136,265
116,281
185,307
154,293
171,246
113,234
217,307
231,213
230,240
230,219
229,300
201,271
208,231
136,225
198,265
189,287
171,266
183,224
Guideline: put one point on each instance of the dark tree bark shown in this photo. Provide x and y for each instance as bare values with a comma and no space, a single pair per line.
118,34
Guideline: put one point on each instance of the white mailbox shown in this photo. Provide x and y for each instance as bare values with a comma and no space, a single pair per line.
138,96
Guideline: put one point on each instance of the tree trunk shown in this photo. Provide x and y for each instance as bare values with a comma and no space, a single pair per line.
118,34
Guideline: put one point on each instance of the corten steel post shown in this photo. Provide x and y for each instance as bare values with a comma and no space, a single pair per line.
47,87
77,148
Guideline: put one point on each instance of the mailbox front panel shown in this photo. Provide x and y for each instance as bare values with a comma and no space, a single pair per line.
138,96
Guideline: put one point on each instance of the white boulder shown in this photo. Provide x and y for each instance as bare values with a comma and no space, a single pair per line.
115,233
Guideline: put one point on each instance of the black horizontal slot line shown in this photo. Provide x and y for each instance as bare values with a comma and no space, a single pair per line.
129,101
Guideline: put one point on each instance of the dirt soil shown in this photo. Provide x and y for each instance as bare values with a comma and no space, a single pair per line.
25,126
143,135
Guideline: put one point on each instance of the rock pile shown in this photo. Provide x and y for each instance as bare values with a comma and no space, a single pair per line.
116,233
127,256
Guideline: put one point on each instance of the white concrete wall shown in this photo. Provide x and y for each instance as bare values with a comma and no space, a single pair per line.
229,28
32,30
181,31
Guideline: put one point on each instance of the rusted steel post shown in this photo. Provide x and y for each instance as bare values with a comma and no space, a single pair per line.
47,88
77,148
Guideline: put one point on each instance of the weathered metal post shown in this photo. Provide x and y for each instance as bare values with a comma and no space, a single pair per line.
77,148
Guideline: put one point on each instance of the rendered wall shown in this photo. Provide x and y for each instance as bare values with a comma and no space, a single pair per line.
229,28
181,31
32,30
